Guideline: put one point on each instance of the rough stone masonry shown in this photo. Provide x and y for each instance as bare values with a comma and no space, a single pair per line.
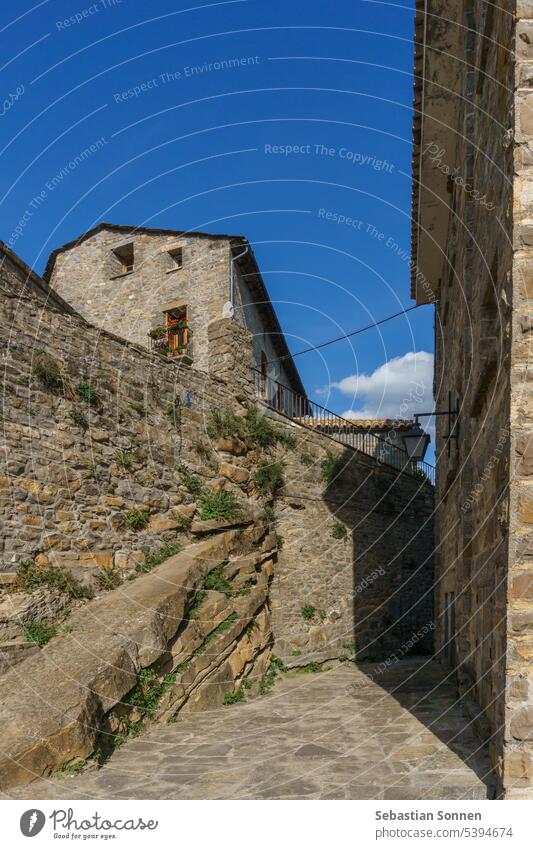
473,258
114,454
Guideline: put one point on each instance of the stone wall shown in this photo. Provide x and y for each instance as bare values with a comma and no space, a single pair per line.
472,362
518,751
357,553
17,278
484,551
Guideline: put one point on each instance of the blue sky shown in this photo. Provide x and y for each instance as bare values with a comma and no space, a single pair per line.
304,146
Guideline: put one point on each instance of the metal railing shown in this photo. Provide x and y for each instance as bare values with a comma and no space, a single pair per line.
308,413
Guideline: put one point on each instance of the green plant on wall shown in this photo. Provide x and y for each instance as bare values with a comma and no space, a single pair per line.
108,579
38,632
218,505
174,413
137,520
148,691
153,559
48,374
308,611
217,581
79,419
126,458
220,629
203,450
86,393
29,577
138,407
199,596
307,458
275,666
192,483
268,477
226,424
339,530
264,433
233,698
330,468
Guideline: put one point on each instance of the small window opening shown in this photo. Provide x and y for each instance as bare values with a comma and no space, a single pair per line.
125,256
176,258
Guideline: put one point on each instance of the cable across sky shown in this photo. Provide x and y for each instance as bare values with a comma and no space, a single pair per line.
345,335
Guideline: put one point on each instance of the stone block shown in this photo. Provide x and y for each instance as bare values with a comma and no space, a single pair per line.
526,505
234,473
522,586
521,725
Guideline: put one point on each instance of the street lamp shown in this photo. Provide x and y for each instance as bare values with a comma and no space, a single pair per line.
415,443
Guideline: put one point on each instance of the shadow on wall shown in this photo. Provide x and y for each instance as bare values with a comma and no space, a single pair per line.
389,520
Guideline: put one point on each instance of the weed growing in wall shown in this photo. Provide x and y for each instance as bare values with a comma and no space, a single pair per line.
192,483
137,520
339,530
148,691
38,632
275,666
108,579
268,477
330,468
261,431
151,559
174,413
29,577
307,458
308,611
79,419
86,393
216,581
233,698
225,424
218,505
48,374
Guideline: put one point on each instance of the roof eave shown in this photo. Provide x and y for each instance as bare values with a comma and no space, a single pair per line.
438,88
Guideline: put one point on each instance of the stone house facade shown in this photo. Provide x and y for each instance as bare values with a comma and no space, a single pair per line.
472,257
162,288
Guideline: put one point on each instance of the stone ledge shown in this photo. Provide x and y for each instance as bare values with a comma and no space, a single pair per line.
55,702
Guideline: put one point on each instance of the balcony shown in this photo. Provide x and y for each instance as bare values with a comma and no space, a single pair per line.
172,340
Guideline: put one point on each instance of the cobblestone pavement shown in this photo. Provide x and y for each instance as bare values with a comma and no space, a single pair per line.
336,734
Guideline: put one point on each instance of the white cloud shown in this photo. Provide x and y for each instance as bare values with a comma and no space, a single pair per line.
397,389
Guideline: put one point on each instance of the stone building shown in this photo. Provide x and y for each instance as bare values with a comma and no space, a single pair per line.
472,257
161,289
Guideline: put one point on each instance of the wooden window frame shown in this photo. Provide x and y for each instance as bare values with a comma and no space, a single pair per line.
178,341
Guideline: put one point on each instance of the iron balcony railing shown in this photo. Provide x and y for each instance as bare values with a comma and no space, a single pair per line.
308,413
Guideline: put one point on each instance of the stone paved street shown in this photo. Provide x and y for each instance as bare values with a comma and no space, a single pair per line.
330,735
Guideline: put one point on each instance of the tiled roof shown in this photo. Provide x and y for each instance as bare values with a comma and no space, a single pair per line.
367,425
